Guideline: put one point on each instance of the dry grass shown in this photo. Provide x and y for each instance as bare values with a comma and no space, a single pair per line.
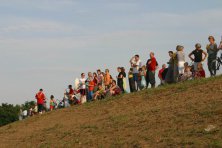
170,116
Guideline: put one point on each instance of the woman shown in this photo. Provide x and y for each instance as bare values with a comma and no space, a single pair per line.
120,78
131,81
95,80
91,86
170,73
180,56
82,83
124,79
212,55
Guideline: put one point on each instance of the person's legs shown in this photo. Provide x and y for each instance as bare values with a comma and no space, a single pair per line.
130,84
90,96
147,79
135,77
152,79
181,67
40,108
210,66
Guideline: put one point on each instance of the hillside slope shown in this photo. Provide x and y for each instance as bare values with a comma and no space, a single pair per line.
170,116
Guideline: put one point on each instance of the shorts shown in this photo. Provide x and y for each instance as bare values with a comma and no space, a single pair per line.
40,107
83,92
51,107
181,67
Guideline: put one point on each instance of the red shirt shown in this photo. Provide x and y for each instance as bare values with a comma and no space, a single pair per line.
152,65
160,73
40,97
201,74
71,91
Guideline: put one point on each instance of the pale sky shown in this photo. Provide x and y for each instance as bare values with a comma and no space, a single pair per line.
48,43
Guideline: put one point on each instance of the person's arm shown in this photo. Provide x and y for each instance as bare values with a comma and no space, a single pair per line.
120,77
205,55
190,56
159,75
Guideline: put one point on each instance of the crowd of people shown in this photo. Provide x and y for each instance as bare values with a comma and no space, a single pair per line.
99,85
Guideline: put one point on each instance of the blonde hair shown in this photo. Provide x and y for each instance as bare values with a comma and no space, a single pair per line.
179,48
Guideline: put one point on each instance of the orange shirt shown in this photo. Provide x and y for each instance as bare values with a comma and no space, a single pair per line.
92,84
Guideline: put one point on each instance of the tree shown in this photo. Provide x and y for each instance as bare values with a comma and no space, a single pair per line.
8,113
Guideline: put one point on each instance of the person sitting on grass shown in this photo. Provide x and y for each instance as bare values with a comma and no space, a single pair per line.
70,94
200,73
114,89
100,93
187,72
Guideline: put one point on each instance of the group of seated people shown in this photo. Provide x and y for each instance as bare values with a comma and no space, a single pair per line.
97,86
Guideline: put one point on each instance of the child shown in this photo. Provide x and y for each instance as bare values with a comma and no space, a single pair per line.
114,89
143,76
52,103
187,72
100,93
200,71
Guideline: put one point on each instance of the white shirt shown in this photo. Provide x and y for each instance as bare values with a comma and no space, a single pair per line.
137,63
82,83
25,113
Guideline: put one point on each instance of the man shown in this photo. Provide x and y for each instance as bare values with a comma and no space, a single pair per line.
136,64
198,55
151,68
40,96
160,74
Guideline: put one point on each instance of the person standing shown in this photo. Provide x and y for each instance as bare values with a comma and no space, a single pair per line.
52,103
120,79
136,64
100,77
82,83
91,85
40,97
151,68
131,81
170,72
198,56
212,55
160,74
180,60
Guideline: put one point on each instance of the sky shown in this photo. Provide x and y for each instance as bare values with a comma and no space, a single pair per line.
48,43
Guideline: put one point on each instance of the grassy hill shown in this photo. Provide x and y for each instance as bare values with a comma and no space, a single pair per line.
170,116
